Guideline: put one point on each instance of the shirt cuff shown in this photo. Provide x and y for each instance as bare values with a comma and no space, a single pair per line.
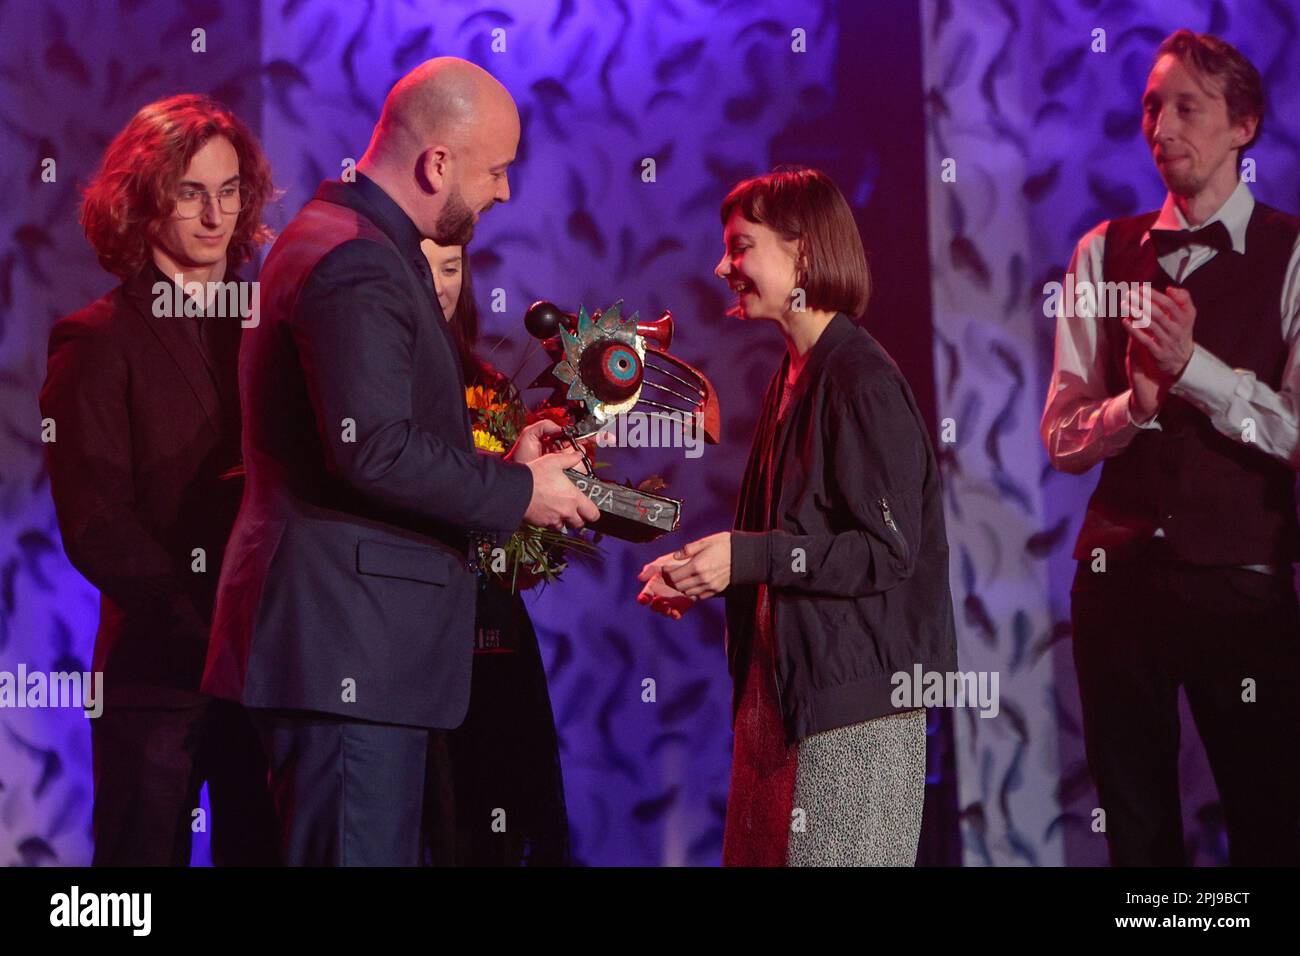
750,556
1117,417
1207,382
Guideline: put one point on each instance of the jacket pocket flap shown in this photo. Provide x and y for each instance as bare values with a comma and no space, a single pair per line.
399,561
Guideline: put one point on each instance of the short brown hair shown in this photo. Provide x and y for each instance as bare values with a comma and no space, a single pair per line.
134,187
1206,54
804,205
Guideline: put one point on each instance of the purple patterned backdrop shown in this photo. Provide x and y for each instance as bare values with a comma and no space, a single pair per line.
1045,137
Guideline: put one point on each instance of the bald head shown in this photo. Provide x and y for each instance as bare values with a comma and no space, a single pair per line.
441,100
447,133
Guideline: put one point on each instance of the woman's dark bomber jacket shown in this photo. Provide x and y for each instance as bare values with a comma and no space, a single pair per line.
856,562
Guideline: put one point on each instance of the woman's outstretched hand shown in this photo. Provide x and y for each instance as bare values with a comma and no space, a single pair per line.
701,569
663,599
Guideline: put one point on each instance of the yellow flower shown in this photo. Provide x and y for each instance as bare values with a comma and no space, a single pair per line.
486,441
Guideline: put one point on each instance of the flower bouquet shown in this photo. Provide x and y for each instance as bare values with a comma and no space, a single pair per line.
532,555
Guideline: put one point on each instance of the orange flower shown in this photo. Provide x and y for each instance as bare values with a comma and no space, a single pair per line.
479,397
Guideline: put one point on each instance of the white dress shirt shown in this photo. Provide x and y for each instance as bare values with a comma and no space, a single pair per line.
1082,424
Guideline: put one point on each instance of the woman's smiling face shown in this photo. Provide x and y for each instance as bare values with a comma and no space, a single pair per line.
760,266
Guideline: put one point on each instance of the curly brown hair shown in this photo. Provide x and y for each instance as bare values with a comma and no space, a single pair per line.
134,189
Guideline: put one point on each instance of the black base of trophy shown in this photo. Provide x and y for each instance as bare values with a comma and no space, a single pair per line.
625,512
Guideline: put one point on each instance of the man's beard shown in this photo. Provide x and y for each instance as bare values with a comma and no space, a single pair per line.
1186,180
1184,184
455,225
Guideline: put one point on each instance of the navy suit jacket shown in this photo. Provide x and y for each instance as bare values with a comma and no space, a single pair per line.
345,587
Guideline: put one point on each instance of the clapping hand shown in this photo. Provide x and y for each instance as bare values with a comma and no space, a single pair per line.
1160,346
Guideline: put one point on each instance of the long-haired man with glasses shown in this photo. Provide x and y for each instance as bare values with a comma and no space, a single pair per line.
144,403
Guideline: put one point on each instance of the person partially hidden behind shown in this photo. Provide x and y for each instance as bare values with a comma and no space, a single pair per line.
505,756
146,420
1185,555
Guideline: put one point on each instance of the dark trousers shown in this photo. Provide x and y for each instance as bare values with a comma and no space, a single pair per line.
507,789
1141,630
347,793
150,764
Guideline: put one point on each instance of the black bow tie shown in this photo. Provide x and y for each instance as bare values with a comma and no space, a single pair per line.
1215,235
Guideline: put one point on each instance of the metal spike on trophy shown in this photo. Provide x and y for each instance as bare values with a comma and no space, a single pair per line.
607,365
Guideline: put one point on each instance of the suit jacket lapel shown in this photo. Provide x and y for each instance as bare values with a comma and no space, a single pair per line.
443,329
336,192
177,342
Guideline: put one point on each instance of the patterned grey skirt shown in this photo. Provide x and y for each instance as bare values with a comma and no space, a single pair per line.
859,791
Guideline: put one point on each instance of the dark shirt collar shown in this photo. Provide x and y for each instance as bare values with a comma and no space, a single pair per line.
387,215
141,285
154,275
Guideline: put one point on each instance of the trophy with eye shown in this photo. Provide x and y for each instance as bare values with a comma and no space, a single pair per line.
607,365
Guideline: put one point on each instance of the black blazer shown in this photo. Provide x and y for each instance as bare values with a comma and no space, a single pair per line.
853,549
345,587
141,438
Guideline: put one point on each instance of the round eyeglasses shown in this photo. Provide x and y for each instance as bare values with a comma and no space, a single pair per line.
190,203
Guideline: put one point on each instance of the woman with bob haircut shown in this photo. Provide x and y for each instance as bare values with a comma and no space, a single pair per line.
835,576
